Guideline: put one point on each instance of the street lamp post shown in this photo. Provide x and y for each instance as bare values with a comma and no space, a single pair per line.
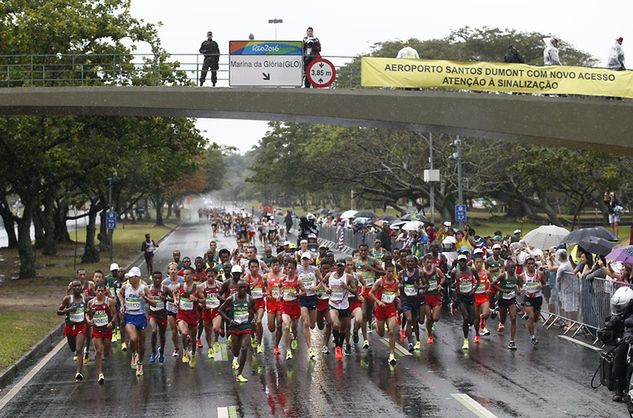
110,230
275,21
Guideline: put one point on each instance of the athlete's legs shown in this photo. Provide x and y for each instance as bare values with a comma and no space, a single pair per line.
259,328
173,326
391,330
184,331
98,343
154,326
513,321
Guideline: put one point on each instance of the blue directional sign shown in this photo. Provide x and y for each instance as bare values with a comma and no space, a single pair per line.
111,220
460,213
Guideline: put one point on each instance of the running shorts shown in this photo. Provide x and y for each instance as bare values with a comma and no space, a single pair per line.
382,313
139,321
75,329
309,302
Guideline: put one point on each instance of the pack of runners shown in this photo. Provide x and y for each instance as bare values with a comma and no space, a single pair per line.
230,293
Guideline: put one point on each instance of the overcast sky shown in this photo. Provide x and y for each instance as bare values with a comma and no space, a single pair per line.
348,28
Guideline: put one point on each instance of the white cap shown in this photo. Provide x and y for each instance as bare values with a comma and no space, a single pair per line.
462,257
447,224
134,272
449,240
496,246
236,269
516,231
286,243
303,240
114,266
306,255
478,251
311,236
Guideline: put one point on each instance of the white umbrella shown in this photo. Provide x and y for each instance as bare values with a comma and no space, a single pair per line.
545,236
397,225
349,214
412,226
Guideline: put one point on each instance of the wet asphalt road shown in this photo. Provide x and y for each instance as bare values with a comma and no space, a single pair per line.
551,380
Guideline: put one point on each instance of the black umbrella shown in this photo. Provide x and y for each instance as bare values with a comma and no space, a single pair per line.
596,245
600,232
365,214
388,218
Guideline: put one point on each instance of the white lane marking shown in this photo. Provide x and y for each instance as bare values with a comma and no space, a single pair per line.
565,337
223,412
27,378
399,348
472,405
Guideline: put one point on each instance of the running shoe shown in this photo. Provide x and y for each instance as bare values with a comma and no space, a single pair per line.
477,339
86,359
79,377
192,361
465,345
512,345
185,356
260,348
430,340
392,359
118,335
500,327
230,339
312,353
339,353
75,357
293,344
123,346
402,334
325,350
288,354
417,345
276,350
133,362
348,350
485,331
355,338
534,340
236,363
139,369
240,379
366,344
210,353
493,314
410,347
161,357
175,353
216,347
101,379
152,358
114,338
254,343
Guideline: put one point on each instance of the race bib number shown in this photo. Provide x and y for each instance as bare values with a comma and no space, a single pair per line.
432,285
186,304
531,287
275,292
171,307
100,319
159,304
388,297
465,286
509,295
78,315
257,293
241,317
410,290
290,294
212,301
133,303
369,279
337,294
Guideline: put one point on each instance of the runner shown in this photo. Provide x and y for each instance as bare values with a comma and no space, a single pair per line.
257,290
384,292
74,307
533,283
210,316
433,281
378,252
157,316
88,290
134,295
482,298
101,314
114,284
199,276
494,267
292,289
410,301
273,301
508,284
237,311
172,282
323,318
466,282
355,307
369,269
339,286
311,279
187,298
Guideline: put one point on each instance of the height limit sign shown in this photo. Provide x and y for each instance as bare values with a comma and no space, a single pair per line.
321,73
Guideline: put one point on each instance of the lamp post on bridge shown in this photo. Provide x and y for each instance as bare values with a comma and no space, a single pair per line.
275,22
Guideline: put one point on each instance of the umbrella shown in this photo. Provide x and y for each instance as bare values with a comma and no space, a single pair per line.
365,214
361,220
412,226
622,254
599,231
380,223
545,236
388,218
596,245
349,214
397,225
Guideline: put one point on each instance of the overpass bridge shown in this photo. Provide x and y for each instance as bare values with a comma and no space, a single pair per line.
575,122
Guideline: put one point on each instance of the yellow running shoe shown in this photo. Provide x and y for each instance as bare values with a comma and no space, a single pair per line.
185,356
254,343
210,353
260,349
236,364
75,357
288,354
123,346
312,353
417,346
216,347
294,344
114,338
392,359
118,335
241,379
192,361
465,346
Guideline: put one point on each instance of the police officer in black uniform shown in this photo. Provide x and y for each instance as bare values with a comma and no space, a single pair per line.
211,52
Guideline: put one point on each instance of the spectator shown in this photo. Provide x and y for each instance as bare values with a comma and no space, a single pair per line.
516,236
513,56
211,52
616,56
615,210
384,237
569,286
288,221
148,247
407,52
311,51
550,54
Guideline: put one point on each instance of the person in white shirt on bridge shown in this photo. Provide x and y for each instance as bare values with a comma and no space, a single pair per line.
407,52
616,56
550,54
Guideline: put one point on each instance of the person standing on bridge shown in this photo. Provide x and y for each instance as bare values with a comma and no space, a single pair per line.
616,56
211,52
550,54
311,51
